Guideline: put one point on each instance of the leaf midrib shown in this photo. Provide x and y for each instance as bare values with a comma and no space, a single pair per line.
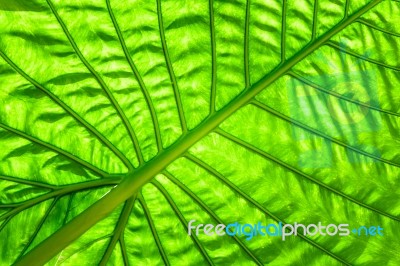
134,181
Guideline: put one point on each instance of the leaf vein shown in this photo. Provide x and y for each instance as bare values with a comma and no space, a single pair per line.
134,181
300,173
74,115
213,58
102,84
315,20
320,134
27,182
170,68
259,206
182,219
211,213
138,77
373,61
153,229
364,22
246,46
338,95
119,230
59,193
56,150
39,226
283,32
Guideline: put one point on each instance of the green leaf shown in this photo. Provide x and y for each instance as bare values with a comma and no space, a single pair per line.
121,121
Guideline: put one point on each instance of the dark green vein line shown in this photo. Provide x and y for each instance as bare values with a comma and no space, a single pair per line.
102,84
39,226
10,205
213,58
60,192
170,69
70,198
84,247
373,61
211,213
5,223
320,134
74,115
369,25
315,20
258,205
123,250
246,47
56,150
182,219
119,230
300,173
346,9
138,77
337,95
153,229
27,182
132,182
283,32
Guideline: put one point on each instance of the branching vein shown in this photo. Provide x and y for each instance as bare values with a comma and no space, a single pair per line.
258,205
38,227
27,182
213,58
373,61
283,32
320,134
315,20
119,230
138,78
364,22
61,191
182,220
211,213
246,47
300,173
170,68
153,229
102,84
339,96
56,150
68,109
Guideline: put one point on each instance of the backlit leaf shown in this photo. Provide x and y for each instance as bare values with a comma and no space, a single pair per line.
121,121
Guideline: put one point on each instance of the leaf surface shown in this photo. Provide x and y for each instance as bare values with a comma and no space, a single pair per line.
121,121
